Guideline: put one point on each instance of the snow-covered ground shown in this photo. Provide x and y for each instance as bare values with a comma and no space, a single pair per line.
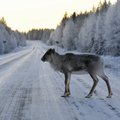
31,89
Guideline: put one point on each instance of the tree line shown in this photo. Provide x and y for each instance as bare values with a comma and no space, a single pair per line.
96,31
9,39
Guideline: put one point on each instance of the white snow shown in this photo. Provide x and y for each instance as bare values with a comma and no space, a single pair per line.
31,89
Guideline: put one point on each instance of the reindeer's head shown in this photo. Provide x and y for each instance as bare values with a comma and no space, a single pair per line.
47,55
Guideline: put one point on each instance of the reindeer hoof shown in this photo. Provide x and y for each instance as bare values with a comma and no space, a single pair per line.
88,96
110,95
66,95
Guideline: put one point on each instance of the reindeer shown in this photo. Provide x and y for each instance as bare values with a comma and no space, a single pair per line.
70,63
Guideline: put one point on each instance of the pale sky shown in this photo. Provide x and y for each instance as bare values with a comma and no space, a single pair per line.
27,14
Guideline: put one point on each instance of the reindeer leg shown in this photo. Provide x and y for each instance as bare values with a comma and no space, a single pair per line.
67,85
106,79
95,81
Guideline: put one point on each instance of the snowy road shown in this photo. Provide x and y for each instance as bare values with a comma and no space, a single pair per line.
31,90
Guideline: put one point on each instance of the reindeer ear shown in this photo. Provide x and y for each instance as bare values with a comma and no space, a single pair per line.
50,49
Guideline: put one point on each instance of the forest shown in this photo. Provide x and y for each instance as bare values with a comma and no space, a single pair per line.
9,39
96,31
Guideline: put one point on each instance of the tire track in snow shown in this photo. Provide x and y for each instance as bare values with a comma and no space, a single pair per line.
73,103
24,95
59,104
9,56
114,109
70,111
13,59
73,109
76,104
10,89
9,67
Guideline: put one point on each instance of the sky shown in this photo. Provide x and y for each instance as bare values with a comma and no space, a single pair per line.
24,15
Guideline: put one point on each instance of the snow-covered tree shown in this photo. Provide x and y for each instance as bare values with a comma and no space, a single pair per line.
97,31
9,39
87,34
112,33
39,34
56,36
13,40
69,35
1,42
5,38
99,41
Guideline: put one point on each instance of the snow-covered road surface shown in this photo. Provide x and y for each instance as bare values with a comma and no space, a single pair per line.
31,90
